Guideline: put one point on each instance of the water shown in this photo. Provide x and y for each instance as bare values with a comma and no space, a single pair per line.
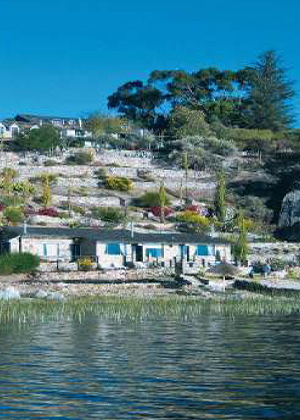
204,367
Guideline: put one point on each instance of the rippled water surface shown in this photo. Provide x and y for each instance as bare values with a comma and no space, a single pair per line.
208,367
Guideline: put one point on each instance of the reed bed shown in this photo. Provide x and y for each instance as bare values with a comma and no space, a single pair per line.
137,309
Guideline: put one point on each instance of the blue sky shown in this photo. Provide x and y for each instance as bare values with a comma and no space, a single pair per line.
64,57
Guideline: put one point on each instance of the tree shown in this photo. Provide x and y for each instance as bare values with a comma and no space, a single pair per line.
101,125
137,102
220,207
41,139
8,175
241,247
13,215
185,122
46,194
186,169
268,103
162,201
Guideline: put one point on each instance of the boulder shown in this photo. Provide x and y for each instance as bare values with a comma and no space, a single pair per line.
10,294
290,210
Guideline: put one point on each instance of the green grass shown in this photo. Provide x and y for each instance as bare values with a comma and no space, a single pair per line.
138,309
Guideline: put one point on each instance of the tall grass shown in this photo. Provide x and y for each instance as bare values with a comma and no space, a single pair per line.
137,309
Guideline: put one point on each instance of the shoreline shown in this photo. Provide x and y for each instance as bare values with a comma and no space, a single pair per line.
28,286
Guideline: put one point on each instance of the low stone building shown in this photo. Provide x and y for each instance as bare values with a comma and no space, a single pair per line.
116,248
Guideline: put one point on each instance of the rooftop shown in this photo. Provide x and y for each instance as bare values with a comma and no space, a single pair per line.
110,235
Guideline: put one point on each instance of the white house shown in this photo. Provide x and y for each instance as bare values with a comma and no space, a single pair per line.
117,248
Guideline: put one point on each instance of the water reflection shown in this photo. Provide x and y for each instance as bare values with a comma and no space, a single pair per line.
209,367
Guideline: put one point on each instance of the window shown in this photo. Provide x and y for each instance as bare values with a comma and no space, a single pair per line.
114,249
204,250
154,252
50,250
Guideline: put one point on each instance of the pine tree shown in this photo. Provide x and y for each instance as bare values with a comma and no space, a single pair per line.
241,247
269,93
46,195
220,198
162,201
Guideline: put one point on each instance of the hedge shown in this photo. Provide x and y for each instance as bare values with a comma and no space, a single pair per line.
18,263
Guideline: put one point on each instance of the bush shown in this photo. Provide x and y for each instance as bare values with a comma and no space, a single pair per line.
194,221
13,215
150,199
50,162
101,173
18,263
85,263
78,209
108,214
50,211
119,183
80,158
157,211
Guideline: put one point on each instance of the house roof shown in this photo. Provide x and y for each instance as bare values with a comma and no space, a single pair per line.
110,235
30,117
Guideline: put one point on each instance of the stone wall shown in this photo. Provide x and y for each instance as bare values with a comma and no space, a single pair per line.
107,276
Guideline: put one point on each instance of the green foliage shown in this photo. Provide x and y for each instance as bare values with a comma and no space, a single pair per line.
241,248
108,214
187,122
46,192
85,263
18,263
80,158
8,174
119,183
50,162
162,201
137,102
194,221
254,208
220,208
13,215
150,199
41,139
270,92
101,173
100,125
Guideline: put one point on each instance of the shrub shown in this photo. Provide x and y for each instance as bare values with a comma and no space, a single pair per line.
193,220
52,178
157,211
119,183
108,214
13,215
80,158
101,173
50,162
85,263
18,263
113,165
78,209
150,199
50,211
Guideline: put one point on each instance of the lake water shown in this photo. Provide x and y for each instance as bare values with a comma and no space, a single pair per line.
206,367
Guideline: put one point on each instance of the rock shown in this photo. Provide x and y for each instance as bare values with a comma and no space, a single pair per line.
56,296
290,209
10,294
41,294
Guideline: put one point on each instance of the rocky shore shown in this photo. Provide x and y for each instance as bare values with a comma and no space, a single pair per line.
56,289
